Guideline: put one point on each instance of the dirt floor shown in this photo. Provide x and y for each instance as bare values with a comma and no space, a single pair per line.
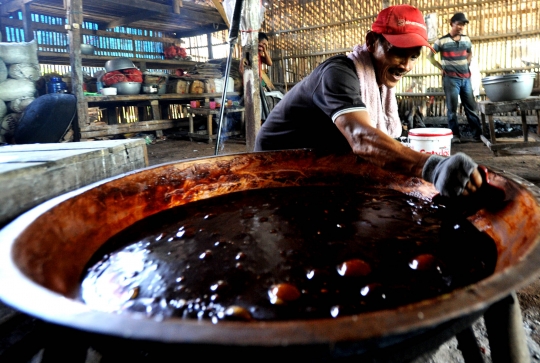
524,164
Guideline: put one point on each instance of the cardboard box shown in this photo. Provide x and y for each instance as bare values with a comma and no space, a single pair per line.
196,87
178,86
209,86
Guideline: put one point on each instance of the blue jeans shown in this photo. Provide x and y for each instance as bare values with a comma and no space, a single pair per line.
454,87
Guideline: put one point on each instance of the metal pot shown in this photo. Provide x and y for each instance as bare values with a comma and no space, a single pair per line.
516,86
44,252
119,63
127,88
155,82
87,49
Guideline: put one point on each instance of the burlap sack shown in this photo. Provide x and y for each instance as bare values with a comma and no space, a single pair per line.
11,89
24,71
23,52
20,104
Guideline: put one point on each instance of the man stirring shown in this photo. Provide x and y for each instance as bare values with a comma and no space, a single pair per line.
348,104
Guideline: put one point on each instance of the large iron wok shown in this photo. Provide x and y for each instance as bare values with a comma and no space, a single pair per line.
44,251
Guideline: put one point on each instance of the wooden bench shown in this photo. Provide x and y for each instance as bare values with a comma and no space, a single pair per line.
208,134
488,108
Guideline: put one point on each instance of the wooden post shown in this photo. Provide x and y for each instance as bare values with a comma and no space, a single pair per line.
27,22
177,4
3,35
284,68
221,11
252,84
74,15
210,51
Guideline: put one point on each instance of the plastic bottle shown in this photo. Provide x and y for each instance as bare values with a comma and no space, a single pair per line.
56,85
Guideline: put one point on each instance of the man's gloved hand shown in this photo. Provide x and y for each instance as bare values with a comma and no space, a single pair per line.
449,175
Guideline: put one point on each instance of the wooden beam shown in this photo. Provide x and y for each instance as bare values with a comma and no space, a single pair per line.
27,23
60,28
140,15
196,13
132,127
201,30
177,4
221,11
210,48
74,15
13,6
252,82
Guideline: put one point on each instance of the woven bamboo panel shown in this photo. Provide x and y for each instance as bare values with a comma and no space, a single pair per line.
303,33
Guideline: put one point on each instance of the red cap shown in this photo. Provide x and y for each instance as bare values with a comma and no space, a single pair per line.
403,26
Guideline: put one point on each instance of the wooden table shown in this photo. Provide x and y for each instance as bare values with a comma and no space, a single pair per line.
208,134
522,106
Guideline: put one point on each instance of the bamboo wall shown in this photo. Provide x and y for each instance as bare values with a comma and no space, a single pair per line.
303,33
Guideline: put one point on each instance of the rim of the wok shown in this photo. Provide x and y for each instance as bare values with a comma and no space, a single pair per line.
22,293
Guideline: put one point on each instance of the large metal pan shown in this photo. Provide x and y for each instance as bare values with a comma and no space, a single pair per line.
44,251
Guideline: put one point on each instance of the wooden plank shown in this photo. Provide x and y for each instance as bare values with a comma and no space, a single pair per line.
12,6
177,5
126,20
89,132
33,173
149,97
74,14
490,108
202,14
27,22
512,145
221,10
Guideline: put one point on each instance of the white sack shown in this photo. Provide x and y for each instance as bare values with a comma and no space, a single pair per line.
476,76
11,89
3,71
24,71
20,104
220,82
23,52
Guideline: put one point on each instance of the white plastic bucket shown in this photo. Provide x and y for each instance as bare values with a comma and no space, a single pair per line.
431,140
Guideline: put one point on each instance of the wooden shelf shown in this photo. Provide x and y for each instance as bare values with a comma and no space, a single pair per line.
99,61
156,101
150,97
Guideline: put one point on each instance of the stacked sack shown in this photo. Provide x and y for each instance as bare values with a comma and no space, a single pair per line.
19,71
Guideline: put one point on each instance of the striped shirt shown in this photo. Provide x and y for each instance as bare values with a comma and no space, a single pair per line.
454,55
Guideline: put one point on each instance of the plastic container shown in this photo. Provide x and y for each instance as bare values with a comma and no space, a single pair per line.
109,91
431,140
56,85
516,86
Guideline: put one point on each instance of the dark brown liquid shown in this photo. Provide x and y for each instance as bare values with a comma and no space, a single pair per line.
287,253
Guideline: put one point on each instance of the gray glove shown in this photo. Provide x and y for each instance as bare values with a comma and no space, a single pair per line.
449,175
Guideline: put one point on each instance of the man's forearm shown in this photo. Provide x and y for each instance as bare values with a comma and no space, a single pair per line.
433,61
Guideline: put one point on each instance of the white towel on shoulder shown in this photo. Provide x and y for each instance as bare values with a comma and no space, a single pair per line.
381,105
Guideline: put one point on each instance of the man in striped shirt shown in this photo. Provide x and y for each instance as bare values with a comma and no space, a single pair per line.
455,49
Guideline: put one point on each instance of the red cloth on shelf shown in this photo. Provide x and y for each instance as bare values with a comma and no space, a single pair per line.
113,77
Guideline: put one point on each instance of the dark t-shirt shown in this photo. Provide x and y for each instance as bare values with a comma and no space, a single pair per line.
304,117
